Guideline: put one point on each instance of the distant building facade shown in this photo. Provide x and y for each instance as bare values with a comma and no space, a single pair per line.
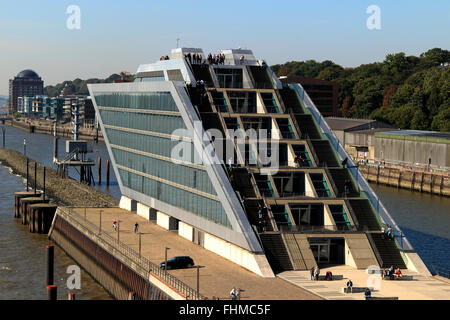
357,135
323,93
27,83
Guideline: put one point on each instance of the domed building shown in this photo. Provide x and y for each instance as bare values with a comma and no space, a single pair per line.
27,83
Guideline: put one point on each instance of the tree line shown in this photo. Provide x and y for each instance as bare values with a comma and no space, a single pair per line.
406,91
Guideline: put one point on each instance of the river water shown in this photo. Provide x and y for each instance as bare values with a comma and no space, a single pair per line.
424,218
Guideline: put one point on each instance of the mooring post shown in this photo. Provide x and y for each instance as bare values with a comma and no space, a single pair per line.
35,176
99,171
3,136
51,292
71,296
107,172
50,263
27,172
44,183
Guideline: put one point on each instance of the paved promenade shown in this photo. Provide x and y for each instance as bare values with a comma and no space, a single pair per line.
217,277
419,288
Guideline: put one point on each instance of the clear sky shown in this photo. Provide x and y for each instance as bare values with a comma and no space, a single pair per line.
119,35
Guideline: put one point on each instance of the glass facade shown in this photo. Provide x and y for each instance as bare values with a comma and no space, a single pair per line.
155,174
143,121
149,100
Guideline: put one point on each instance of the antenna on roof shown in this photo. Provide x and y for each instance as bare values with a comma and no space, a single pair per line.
178,41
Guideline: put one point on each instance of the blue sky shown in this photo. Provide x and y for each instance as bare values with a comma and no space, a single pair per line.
120,35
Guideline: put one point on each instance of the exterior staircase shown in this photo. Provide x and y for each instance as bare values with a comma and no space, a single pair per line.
388,251
276,252
291,100
260,76
325,153
339,176
364,214
201,72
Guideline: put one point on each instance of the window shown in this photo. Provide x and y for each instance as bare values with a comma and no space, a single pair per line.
229,78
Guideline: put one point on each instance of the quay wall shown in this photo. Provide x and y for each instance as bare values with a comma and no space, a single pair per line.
422,181
62,190
65,132
116,276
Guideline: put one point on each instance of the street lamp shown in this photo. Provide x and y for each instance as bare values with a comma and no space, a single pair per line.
24,147
165,259
198,277
118,230
140,234
100,224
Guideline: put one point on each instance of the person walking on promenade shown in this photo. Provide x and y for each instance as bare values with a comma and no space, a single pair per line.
317,273
311,272
136,227
115,225
234,294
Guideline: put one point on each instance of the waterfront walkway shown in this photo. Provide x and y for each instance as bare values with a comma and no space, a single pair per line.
419,288
217,277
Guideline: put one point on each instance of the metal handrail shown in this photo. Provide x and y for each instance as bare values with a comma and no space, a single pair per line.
361,182
330,179
320,229
352,213
313,152
270,216
254,185
294,121
130,255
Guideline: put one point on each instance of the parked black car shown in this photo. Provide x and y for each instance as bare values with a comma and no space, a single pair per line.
178,263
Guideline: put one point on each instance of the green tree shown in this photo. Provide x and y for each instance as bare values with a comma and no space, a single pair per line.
441,122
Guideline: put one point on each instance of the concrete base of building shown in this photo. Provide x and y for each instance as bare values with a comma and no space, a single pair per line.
256,263
128,204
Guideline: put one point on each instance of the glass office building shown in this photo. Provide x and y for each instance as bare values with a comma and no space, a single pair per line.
280,199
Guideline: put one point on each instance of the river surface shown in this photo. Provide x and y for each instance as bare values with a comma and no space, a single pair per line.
424,218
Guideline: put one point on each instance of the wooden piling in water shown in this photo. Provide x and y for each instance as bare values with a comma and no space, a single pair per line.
50,264
35,177
99,171
41,216
17,196
24,203
51,292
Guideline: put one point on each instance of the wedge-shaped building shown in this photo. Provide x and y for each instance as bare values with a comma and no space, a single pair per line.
243,165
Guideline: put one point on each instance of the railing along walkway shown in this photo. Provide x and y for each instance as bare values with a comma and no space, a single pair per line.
127,255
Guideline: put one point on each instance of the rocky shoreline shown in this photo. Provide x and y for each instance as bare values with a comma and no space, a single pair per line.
64,191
